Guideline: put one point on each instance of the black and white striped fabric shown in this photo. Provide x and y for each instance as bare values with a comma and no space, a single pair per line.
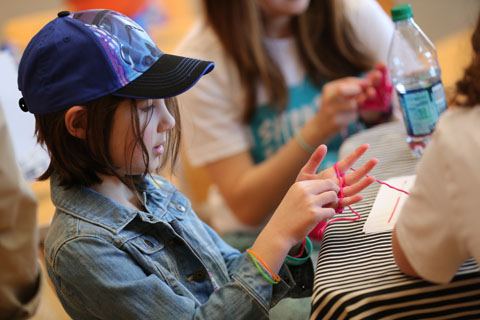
356,276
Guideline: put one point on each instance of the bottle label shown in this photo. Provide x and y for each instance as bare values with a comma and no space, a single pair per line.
422,107
439,97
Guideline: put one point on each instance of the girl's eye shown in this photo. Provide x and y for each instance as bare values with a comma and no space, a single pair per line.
147,108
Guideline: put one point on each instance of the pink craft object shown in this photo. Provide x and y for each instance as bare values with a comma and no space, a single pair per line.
318,231
381,101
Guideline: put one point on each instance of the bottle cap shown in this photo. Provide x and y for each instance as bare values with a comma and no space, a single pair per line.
401,12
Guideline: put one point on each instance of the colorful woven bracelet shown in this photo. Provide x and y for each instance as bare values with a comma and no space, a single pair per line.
292,261
274,279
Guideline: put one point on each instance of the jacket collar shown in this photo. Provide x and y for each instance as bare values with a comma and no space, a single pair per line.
86,204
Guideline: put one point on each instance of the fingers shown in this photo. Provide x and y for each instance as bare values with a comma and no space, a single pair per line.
319,186
346,88
350,87
357,89
349,160
361,172
380,66
325,198
358,187
373,77
348,201
315,159
325,213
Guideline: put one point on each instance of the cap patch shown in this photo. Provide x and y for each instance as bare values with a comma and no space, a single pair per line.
128,47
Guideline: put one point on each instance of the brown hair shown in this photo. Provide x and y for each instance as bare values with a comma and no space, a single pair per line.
79,161
468,87
324,38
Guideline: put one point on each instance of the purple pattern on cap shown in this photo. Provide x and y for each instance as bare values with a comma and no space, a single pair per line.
116,33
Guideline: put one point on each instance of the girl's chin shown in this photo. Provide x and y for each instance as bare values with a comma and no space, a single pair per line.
154,163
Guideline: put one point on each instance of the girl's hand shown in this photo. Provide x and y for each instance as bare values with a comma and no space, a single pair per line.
356,180
303,207
310,200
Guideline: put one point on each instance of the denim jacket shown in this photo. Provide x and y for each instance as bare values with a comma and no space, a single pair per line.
110,262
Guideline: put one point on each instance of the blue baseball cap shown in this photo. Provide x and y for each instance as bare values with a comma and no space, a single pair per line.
82,56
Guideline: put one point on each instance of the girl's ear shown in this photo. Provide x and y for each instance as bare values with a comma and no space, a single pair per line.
76,121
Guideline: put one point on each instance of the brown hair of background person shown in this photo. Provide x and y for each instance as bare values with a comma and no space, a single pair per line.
468,87
321,26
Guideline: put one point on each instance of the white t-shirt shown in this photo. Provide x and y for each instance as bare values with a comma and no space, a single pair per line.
213,109
438,228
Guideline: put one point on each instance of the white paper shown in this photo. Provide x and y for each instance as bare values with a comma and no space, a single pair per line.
388,204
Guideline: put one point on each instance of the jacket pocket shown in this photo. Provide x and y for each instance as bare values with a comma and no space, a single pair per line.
147,244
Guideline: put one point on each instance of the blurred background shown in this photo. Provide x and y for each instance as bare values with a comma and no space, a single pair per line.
20,19
438,18
448,23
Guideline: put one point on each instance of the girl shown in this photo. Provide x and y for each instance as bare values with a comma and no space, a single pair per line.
285,82
125,244
437,230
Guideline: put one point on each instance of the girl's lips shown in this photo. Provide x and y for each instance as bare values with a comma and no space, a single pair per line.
158,150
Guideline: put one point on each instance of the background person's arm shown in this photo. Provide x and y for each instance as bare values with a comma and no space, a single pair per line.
252,190
400,258
19,270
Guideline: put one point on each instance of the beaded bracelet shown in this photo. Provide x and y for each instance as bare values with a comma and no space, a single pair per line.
293,261
275,278
304,144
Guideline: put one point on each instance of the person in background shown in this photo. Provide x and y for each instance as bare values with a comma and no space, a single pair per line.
20,275
438,228
147,13
124,243
288,78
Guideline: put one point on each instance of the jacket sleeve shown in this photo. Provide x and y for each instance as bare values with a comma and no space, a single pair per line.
297,281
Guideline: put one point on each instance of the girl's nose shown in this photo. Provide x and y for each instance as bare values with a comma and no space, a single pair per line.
167,121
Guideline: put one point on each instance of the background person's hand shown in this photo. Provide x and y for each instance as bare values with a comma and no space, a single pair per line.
377,107
341,99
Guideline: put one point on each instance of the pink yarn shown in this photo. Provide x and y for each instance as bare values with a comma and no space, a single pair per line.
383,94
381,182
317,232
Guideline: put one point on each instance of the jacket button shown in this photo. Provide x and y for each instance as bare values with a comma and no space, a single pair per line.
180,208
198,276
62,14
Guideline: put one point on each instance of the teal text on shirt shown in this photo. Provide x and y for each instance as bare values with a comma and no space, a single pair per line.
272,128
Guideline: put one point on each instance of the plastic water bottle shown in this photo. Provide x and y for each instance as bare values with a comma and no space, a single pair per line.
416,76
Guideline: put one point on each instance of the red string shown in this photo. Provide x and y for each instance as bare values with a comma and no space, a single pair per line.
317,232
381,182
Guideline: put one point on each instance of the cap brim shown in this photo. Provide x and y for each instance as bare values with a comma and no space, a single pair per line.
170,76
